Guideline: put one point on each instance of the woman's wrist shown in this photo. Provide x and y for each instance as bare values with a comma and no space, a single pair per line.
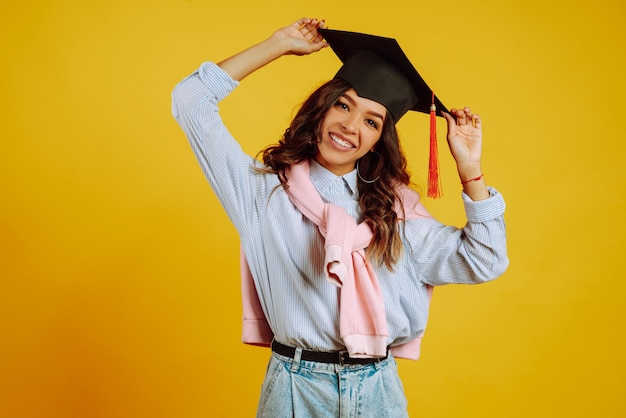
472,179
277,46
469,171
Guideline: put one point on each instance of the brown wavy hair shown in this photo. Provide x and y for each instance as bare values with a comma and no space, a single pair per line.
386,163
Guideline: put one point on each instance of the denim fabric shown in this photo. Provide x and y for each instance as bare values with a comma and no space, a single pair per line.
306,389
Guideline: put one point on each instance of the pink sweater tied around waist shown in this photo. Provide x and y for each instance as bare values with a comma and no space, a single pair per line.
362,320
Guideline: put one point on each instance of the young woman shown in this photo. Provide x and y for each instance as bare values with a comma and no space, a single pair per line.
339,257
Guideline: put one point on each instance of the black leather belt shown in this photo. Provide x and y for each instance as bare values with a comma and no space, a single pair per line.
335,357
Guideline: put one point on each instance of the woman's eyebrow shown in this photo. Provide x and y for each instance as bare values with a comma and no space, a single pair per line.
377,115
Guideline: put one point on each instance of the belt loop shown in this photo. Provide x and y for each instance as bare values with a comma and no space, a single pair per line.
296,359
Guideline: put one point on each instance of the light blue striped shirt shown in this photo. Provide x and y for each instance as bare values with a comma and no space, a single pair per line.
285,250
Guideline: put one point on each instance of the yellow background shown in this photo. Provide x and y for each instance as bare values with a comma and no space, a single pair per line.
119,292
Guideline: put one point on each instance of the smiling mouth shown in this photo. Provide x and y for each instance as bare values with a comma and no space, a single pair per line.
341,142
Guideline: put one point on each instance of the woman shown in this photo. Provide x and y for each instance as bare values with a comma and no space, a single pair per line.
339,256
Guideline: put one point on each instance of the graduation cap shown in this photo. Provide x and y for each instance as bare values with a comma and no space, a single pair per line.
378,69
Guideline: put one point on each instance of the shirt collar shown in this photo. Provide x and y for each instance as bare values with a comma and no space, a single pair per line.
325,180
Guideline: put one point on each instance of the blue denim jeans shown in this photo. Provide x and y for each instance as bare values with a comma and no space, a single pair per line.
295,388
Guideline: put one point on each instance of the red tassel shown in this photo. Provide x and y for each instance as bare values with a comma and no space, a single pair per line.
434,185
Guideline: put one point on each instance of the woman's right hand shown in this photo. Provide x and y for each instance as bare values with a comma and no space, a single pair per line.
303,36
299,38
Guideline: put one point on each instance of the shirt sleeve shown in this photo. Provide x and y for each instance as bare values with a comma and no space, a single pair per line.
475,253
227,168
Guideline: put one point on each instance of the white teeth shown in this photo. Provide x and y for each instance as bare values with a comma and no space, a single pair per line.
341,142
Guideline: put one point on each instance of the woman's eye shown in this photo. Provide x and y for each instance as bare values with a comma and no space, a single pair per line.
372,123
342,105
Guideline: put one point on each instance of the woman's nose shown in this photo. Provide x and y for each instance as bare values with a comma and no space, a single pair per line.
349,123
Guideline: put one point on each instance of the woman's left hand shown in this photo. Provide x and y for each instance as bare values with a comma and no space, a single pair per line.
465,136
465,139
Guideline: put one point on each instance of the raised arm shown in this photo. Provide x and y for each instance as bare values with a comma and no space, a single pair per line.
299,38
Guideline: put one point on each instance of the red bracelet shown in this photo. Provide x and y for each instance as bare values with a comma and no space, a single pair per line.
474,179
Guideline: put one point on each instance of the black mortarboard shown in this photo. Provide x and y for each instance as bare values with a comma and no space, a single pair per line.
378,69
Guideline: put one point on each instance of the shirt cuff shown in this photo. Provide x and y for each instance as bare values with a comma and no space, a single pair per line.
484,210
218,80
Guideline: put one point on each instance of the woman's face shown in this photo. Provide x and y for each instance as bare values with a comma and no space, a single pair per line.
349,130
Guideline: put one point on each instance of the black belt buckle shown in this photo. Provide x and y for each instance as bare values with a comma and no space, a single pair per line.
343,356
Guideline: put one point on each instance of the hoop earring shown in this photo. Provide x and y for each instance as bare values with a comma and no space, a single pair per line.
359,174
